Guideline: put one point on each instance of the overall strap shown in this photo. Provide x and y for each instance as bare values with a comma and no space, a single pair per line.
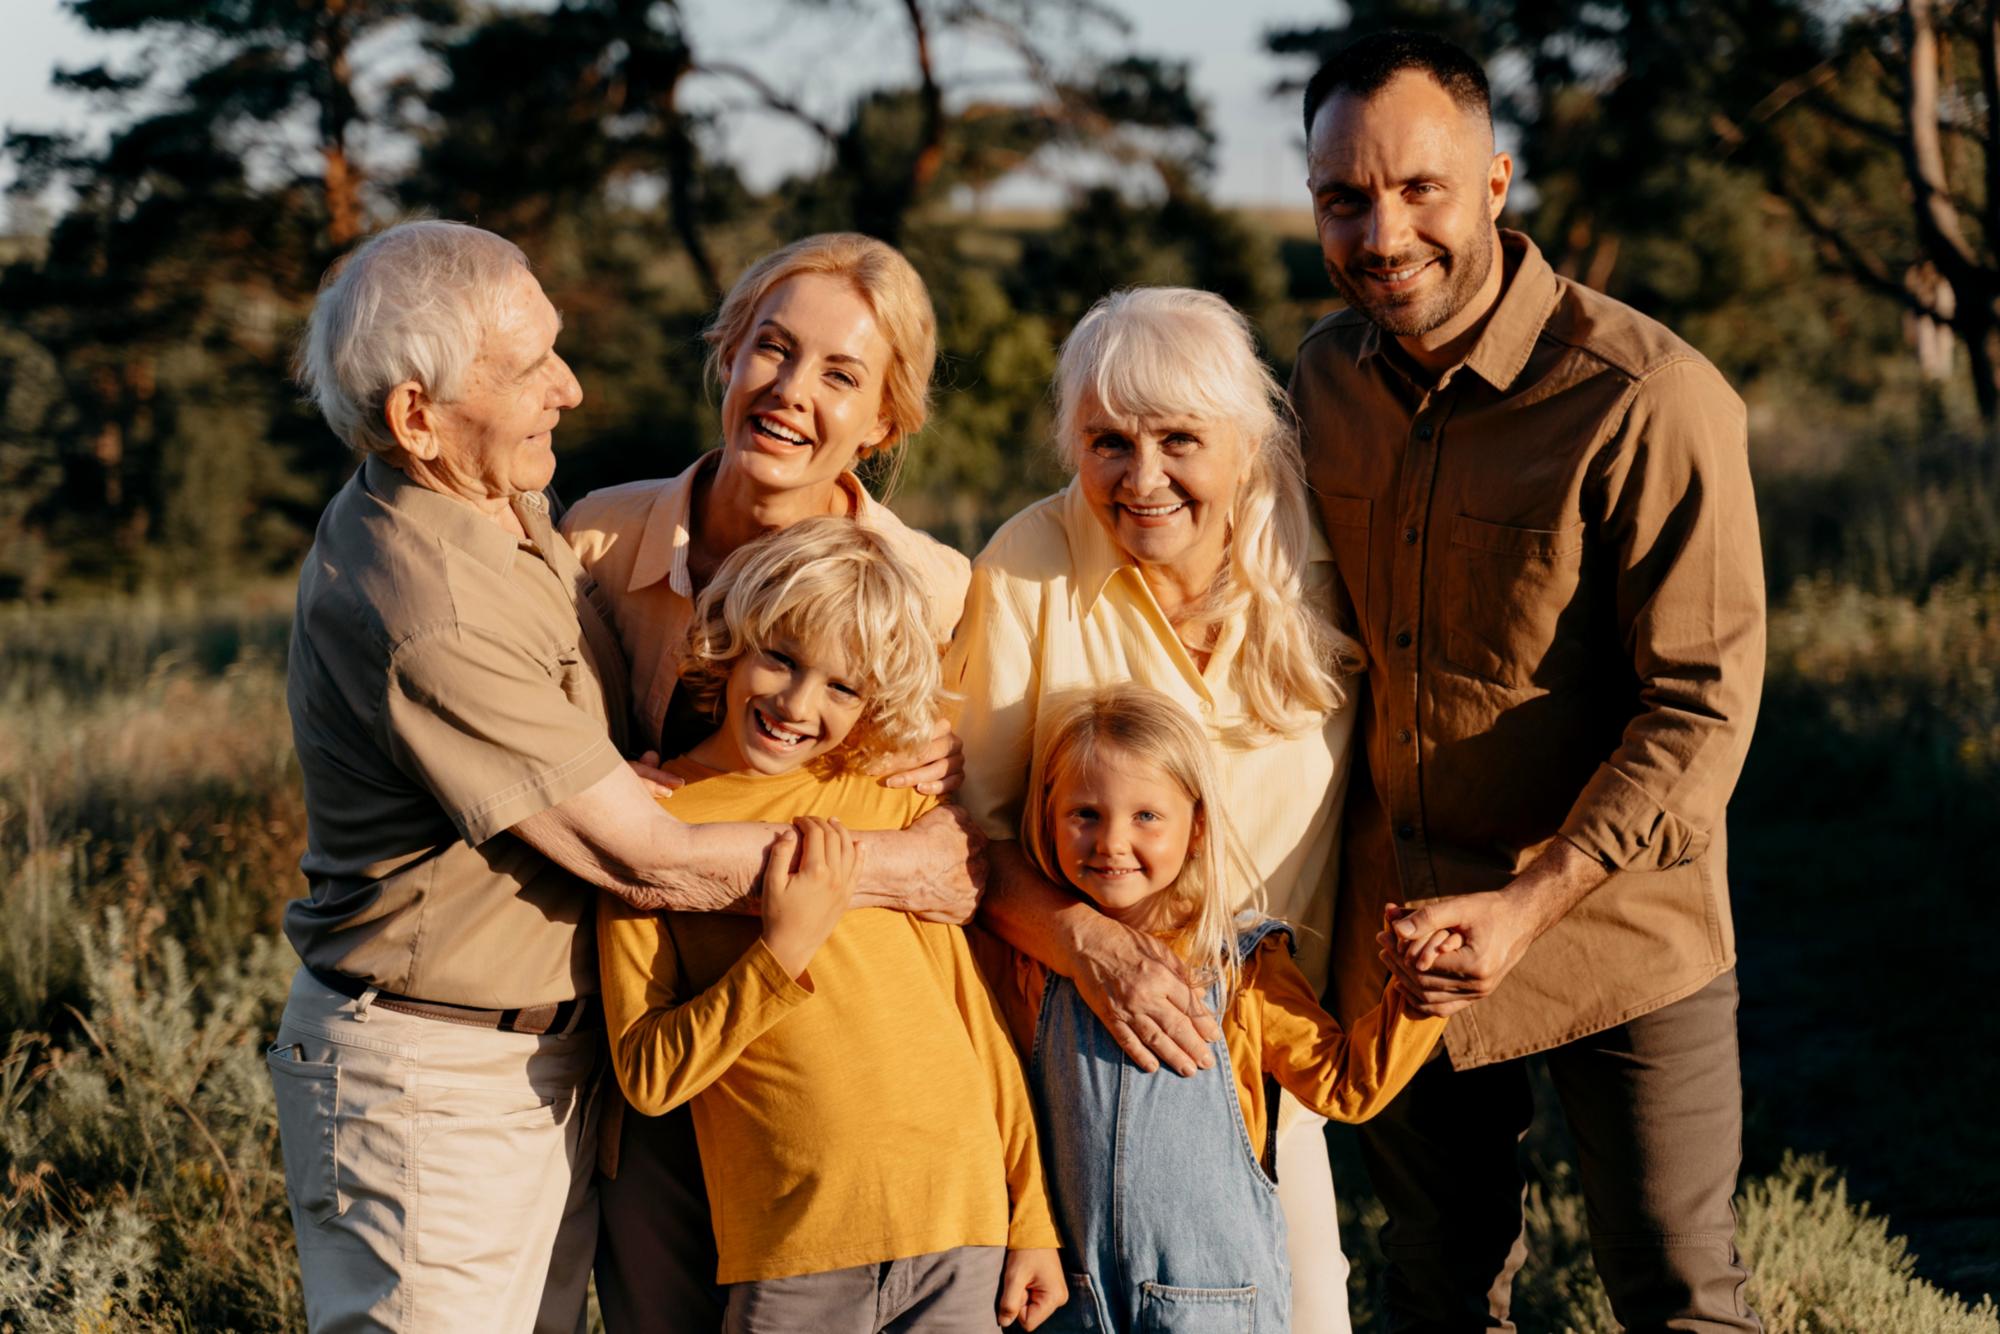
1248,938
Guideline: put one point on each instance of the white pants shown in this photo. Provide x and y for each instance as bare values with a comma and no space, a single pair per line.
1312,1227
439,1174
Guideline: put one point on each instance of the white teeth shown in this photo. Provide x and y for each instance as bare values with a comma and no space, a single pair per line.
1399,275
778,732
1152,511
785,434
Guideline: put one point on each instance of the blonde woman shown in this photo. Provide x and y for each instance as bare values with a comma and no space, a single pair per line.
1181,557
823,351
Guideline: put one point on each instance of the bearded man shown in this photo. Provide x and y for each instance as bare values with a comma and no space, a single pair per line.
1539,506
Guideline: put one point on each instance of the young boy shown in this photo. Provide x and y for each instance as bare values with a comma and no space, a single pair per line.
865,1133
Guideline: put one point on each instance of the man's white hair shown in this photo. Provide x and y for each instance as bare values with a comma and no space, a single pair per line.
413,302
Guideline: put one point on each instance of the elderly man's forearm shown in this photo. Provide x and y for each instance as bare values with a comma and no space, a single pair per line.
1024,909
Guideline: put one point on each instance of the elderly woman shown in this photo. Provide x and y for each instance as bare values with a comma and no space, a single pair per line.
823,350
457,706
1181,557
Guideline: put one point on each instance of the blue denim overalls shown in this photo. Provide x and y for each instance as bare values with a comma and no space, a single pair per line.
1171,1221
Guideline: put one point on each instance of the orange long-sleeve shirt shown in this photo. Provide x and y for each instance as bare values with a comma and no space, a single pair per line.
1275,1025
879,1115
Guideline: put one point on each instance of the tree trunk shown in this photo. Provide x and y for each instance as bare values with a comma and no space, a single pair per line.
337,112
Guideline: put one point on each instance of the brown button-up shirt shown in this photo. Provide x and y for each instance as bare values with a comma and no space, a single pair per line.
1550,553
446,680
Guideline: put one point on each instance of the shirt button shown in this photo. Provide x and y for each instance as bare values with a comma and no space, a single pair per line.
1424,431
1405,832
1410,536
1403,735
1402,639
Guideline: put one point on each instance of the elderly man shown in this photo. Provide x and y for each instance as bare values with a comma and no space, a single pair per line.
456,702
1539,506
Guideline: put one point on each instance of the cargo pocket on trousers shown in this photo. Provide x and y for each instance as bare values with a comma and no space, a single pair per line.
1167,1310
308,1097
1083,1313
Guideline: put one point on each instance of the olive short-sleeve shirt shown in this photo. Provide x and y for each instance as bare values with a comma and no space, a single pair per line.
1550,553
446,680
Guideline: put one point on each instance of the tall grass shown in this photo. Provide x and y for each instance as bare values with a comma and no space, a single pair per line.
150,825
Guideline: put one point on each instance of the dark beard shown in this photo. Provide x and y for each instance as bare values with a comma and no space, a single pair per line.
1465,272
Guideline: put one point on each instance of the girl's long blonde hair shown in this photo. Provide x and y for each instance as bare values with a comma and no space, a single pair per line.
1173,351
825,581
1218,881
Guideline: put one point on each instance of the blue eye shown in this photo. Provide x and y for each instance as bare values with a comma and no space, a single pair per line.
1148,816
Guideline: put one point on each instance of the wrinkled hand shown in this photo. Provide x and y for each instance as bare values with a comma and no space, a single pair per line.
1139,989
659,783
804,902
936,868
936,768
1455,951
1031,1286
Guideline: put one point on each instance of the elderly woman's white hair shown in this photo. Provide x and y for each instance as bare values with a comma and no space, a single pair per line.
412,302
1179,352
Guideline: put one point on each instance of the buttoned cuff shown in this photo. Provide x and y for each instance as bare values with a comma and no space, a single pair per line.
1619,824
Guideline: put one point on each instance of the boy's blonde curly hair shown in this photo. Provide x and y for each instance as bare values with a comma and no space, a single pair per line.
825,583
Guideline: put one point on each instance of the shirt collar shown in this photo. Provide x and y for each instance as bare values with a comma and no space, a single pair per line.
1517,321
441,516
663,545
1525,304
1094,555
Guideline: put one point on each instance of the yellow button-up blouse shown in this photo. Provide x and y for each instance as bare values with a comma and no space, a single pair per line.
1055,605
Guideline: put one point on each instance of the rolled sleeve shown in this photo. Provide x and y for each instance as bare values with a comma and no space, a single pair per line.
481,723
992,667
1680,527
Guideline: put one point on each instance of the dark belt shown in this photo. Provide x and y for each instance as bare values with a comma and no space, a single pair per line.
559,1018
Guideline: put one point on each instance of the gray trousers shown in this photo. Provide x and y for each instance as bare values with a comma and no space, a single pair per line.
948,1292
1655,1107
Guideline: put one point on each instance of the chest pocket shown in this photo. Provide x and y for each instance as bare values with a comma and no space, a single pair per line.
1507,592
1347,533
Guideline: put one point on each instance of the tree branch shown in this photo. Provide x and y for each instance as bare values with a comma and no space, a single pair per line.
769,96
1923,152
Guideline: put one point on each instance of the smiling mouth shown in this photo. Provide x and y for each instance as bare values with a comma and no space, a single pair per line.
777,733
1398,277
1154,511
1112,872
784,435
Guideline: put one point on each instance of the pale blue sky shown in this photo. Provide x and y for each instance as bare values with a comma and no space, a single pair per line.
1260,159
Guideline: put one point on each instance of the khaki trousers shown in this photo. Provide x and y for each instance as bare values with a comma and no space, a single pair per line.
439,1174
1655,1107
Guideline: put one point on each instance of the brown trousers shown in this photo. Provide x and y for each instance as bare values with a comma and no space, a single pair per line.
655,1246
1655,1107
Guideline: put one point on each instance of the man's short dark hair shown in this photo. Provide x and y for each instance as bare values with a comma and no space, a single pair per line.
1364,68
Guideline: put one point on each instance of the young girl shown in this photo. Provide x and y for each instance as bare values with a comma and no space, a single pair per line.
1168,1211
865,1134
